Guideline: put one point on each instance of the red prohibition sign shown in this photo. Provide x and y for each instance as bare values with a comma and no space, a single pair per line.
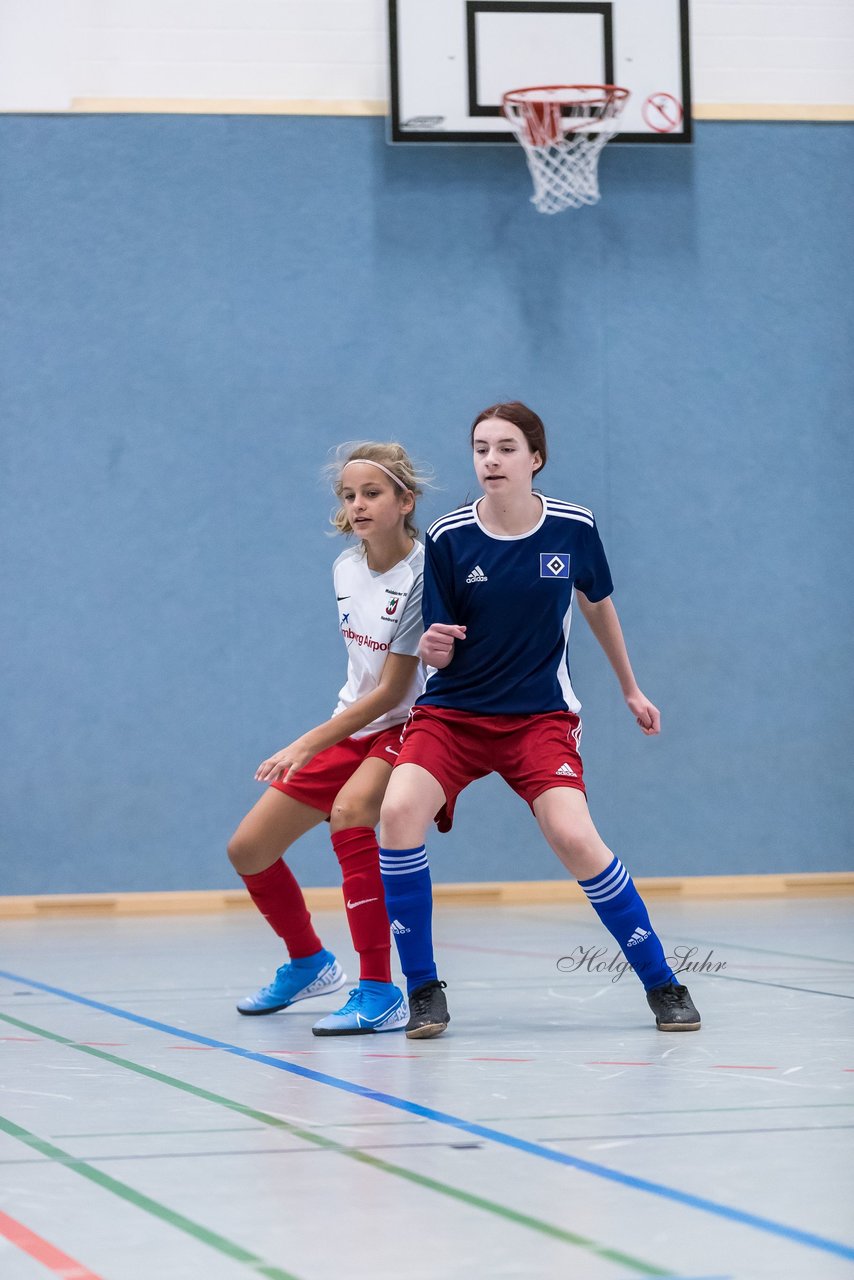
662,112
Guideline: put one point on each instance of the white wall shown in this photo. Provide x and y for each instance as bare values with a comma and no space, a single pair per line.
764,51
55,53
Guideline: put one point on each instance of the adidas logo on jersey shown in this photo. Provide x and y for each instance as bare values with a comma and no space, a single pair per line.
639,935
565,771
397,927
477,575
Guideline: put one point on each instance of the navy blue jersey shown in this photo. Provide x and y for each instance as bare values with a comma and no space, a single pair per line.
514,596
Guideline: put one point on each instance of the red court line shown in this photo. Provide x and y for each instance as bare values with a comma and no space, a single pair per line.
47,1254
393,1055
721,1066
303,1053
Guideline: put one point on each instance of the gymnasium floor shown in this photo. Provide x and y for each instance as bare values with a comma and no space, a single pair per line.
146,1130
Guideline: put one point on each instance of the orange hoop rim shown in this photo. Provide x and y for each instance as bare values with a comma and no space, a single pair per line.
608,93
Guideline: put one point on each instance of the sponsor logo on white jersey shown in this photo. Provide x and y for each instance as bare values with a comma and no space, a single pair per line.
477,575
639,935
368,642
565,771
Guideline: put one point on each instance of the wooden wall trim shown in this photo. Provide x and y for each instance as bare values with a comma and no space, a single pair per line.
486,893
827,112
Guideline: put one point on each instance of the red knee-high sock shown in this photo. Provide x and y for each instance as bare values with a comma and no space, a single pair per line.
359,855
278,897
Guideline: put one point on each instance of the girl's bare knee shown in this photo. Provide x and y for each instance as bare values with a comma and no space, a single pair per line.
396,823
247,857
352,813
239,852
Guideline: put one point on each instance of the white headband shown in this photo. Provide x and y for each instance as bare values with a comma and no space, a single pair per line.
370,462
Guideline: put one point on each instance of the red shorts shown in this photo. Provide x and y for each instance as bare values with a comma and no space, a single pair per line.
318,782
531,753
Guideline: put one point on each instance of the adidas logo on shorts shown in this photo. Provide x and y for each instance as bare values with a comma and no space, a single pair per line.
565,771
640,935
477,575
397,927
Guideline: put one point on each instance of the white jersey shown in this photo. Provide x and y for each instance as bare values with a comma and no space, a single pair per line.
378,613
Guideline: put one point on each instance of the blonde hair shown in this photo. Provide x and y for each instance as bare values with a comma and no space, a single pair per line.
394,458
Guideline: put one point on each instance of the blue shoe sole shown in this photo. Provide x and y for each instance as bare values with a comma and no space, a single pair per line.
347,1031
328,989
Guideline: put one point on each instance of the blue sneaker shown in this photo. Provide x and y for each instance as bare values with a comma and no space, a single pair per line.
373,1006
317,975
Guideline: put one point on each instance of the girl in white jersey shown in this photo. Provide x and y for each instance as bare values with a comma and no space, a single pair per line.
339,770
499,583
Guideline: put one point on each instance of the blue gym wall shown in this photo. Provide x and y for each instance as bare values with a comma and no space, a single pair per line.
195,309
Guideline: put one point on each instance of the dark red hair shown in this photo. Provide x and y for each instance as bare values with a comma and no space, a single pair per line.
522,417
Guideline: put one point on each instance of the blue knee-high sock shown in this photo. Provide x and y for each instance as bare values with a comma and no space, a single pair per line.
409,902
619,906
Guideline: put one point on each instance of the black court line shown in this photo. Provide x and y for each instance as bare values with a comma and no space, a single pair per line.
781,986
699,1133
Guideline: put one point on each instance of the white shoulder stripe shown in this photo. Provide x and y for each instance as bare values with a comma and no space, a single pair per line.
453,520
559,503
572,515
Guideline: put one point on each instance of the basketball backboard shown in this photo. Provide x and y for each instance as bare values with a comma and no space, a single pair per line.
451,61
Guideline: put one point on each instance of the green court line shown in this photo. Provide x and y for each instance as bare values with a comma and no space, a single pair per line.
353,1153
140,1201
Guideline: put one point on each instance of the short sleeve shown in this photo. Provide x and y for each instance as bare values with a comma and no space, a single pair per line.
594,576
410,628
438,602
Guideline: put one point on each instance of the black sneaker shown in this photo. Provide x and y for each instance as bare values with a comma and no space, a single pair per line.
428,1011
673,1008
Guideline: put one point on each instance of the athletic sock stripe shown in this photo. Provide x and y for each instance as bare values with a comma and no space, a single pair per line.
604,877
610,886
391,865
612,882
614,891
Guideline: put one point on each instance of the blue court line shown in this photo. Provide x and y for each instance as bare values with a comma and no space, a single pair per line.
768,1225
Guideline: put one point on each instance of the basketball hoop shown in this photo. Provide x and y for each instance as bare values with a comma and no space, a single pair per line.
563,128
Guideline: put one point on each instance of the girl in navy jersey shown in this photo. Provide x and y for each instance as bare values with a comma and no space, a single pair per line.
339,770
500,579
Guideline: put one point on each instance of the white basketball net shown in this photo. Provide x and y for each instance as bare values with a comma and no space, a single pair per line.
563,129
